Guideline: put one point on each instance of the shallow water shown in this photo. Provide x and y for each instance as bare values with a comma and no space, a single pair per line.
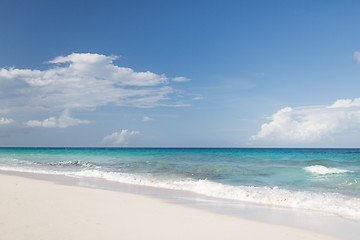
325,180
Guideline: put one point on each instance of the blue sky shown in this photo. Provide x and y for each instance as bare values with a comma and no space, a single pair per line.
180,73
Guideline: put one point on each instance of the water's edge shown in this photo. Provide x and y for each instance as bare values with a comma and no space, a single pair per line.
304,219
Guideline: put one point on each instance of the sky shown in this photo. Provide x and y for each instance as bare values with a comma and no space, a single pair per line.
179,73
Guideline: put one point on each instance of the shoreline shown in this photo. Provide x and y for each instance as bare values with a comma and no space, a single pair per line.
99,208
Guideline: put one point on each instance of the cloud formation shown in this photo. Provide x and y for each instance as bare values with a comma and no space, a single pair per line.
180,79
119,138
311,123
5,120
147,119
63,121
198,98
79,81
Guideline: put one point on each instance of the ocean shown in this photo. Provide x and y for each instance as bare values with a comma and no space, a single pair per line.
324,180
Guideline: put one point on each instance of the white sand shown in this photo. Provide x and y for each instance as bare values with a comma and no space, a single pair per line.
34,209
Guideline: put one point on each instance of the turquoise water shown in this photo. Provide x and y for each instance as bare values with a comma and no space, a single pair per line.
325,180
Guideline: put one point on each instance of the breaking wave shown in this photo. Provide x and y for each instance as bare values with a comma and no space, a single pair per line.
319,169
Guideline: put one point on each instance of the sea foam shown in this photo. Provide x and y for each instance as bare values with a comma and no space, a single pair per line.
326,202
333,203
319,169
75,163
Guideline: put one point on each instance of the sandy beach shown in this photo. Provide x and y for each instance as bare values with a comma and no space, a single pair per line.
36,209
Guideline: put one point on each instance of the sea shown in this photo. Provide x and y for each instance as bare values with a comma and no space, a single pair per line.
323,180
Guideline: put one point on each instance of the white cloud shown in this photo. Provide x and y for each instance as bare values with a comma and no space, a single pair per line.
311,123
6,120
147,119
101,67
119,138
198,98
346,103
181,79
80,81
63,121
357,56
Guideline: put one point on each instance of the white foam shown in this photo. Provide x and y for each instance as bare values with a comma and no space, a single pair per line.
327,202
74,163
319,169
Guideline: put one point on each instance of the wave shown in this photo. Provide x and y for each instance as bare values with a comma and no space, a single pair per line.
319,169
70,163
73,163
327,202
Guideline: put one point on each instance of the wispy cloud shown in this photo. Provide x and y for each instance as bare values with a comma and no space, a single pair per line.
6,120
148,119
357,56
119,138
63,121
198,98
311,123
180,79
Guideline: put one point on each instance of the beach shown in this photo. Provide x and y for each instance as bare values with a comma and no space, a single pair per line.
191,120
37,209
